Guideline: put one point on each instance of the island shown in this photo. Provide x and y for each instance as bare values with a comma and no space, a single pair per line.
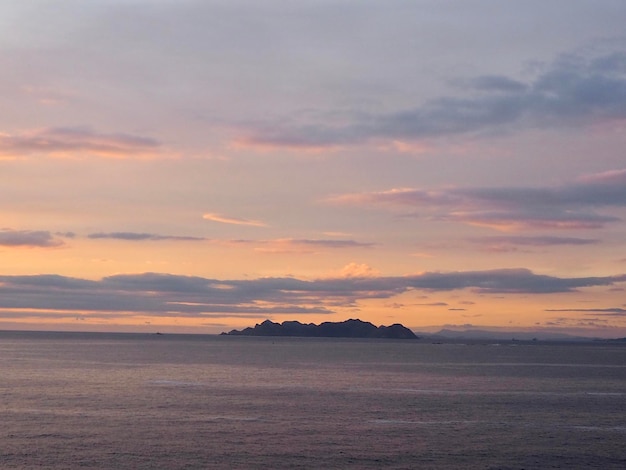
346,329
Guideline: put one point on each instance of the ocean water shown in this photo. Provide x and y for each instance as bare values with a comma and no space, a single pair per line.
124,401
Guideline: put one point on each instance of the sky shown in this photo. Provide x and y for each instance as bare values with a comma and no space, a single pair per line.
198,166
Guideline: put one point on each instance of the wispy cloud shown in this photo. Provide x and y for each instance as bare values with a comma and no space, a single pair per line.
75,141
30,238
573,91
612,312
48,96
213,217
325,243
540,241
304,245
569,206
511,243
134,236
278,245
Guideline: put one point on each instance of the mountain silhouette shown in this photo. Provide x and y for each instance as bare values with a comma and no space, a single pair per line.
346,329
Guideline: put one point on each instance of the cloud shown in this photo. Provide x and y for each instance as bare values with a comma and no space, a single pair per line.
213,217
176,295
75,141
510,243
535,219
358,270
326,243
48,96
29,238
613,312
45,281
304,245
573,91
134,236
569,206
507,281
496,83
148,294
278,245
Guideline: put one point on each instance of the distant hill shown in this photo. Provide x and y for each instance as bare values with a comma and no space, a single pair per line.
346,329
476,334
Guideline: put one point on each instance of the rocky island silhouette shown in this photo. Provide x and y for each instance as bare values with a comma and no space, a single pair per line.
352,328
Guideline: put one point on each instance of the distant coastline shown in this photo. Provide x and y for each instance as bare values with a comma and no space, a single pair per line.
352,328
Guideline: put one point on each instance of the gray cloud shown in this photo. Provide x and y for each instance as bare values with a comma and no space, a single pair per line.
329,243
273,245
176,295
601,189
612,312
533,241
300,245
507,281
153,294
495,83
28,282
569,206
29,238
66,234
134,236
572,91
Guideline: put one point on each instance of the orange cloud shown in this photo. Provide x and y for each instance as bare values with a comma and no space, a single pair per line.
358,270
213,217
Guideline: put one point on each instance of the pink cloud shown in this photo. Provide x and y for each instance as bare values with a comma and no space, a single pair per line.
572,205
607,178
75,141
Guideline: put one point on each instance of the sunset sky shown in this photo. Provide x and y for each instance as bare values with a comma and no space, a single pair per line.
198,166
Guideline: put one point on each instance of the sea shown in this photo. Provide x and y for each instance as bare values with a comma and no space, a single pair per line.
149,401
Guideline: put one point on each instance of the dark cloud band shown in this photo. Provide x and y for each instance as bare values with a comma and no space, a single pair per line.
176,295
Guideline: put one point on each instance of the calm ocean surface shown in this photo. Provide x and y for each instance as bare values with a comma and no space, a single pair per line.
115,401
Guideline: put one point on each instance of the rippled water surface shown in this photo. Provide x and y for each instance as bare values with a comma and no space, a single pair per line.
185,402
